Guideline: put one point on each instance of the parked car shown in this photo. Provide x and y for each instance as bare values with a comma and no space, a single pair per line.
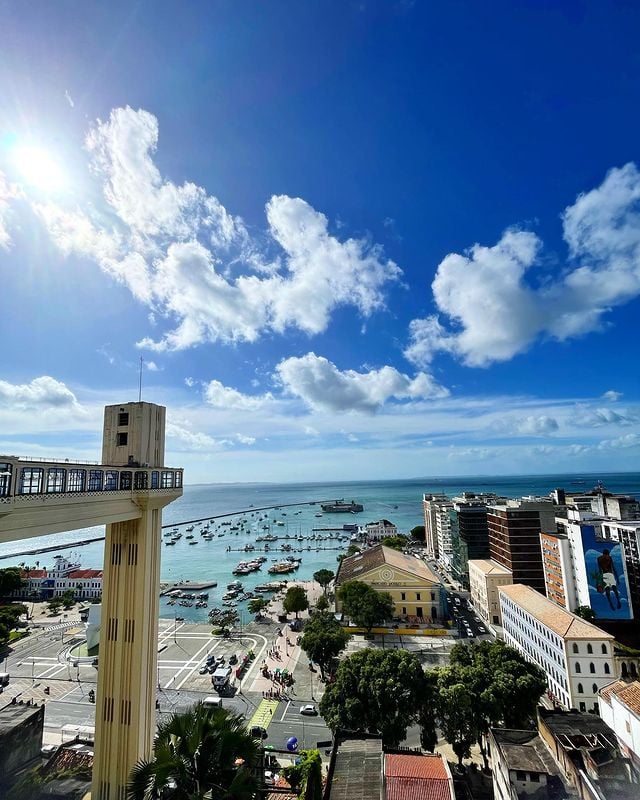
310,710
203,670
258,732
233,659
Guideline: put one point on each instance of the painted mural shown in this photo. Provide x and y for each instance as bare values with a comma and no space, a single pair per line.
606,573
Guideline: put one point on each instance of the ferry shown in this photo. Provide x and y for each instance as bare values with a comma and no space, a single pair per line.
340,507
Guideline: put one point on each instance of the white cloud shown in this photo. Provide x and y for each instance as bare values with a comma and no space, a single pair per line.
541,425
595,417
245,439
220,396
612,396
495,311
68,98
180,252
628,440
41,392
152,366
192,440
6,194
323,386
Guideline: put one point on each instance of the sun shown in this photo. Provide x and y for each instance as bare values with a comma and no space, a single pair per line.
38,168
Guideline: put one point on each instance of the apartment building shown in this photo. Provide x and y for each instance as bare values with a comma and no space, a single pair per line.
469,532
620,709
430,504
514,537
576,656
485,577
559,579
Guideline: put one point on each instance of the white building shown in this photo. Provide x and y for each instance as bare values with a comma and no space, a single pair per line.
379,530
485,577
620,709
576,656
521,765
65,575
430,504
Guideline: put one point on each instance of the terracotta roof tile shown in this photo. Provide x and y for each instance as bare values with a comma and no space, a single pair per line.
488,567
556,618
627,693
377,556
85,573
416,777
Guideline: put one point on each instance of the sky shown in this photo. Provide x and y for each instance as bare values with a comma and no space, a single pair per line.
360,239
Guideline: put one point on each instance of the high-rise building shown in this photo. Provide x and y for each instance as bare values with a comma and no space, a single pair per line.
514,537
430,508
627,533
469,532
559,577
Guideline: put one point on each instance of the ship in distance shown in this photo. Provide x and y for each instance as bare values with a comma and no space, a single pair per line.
340,507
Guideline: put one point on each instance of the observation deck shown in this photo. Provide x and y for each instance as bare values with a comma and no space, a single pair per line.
39,497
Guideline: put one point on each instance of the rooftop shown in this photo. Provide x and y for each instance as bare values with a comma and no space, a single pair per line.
554,617
355,566
524,750
416,777
15,714
627,693
357,773
488,567
575,729
85,573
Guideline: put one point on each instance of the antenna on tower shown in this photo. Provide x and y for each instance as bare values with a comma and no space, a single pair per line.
140,381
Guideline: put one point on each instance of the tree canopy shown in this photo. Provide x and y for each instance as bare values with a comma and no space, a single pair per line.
54,605
418,533
323,639
379,692
324,577
9,616
398,542
10,580
322,604
586,612
257,605
68,598
295,600
206,753
305,776
364,605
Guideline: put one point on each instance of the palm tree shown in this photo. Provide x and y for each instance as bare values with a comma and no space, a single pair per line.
202,753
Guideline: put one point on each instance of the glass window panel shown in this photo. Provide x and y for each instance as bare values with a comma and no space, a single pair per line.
55,480
31,480
111,480
95,480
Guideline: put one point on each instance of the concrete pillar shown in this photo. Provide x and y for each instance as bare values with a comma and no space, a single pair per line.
127,675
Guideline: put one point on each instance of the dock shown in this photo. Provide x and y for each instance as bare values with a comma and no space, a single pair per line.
189,586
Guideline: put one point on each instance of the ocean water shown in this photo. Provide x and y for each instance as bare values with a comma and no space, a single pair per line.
398,501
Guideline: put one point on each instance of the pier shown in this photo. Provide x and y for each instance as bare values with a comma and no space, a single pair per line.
250,510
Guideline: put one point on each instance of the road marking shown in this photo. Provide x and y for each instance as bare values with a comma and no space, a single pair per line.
263,715
286,708
191,666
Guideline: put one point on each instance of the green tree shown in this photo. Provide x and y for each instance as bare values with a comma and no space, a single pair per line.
257,605
454,709
10,580
305,776
54,605
586,612
322,603
418,533
323,639
364,605
295,600
68,598
395,542
204,753
376,691
324,578
9,616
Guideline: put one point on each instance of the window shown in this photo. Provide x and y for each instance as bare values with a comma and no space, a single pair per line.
76,480
521,776
576,649
95,480
594,689
111,480
155,479
417,595
589,648
592,668
123,418
404,611
402,596
604,649
31,480
580,689
142,480
433,596
178,483
167,480
55,480
607,671
578,668
125,479
583,706
121,439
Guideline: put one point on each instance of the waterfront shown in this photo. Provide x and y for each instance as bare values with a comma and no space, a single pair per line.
398,501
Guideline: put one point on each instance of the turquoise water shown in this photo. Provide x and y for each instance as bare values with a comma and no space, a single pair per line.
398,501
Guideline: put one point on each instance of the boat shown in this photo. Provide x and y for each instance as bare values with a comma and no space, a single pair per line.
190,528
170,543
189,536
318,515
193,542
340,507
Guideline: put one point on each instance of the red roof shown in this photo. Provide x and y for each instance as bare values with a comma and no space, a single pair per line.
416,777
85,573
35,573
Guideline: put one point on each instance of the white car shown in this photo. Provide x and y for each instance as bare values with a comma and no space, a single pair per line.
309,710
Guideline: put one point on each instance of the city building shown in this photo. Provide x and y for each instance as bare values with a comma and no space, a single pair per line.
413,775
430,504
378,530
620,709
417,592
627,533
484,579
65,574
127,493
576,656
558,572
586,752
522,767
469,532
514,537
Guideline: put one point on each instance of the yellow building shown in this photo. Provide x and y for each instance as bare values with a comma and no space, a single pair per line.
417,592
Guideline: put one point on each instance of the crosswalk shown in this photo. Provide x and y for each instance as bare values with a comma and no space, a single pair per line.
61,626
263,714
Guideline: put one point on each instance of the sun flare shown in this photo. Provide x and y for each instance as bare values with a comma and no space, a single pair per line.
38,168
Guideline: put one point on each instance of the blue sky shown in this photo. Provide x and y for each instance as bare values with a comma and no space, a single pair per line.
349,239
